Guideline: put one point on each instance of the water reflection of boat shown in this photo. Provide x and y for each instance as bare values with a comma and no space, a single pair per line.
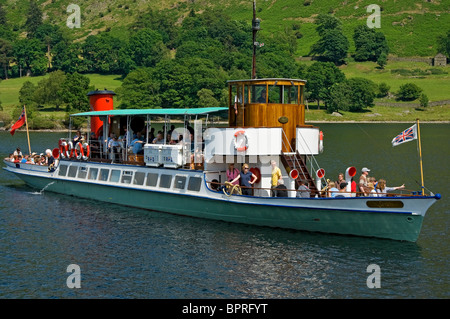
266,121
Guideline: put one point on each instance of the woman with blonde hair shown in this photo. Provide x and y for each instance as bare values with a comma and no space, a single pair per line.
382,189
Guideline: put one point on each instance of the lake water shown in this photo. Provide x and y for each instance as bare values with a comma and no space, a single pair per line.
124,252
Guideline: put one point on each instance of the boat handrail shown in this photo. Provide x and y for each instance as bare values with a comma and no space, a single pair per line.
385,195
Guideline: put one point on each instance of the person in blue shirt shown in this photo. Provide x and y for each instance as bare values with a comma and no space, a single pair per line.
137,144
247,179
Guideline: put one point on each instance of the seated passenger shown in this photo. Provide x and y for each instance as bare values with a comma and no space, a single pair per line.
371,188
137,146
332,190
281,189
115,148
17,152
343,190
303,191
159,139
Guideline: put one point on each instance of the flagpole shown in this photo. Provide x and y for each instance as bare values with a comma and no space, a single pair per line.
28,134
420,156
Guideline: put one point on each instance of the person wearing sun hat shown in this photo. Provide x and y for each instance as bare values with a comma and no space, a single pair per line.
363,182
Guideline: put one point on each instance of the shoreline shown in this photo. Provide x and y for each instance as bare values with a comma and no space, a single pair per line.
3,129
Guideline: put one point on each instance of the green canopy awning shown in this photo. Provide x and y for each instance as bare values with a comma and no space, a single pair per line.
160,112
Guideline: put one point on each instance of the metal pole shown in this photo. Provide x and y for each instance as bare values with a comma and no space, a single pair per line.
28,134
420,157
254,40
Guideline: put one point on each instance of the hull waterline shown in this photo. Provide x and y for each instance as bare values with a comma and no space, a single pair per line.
342,216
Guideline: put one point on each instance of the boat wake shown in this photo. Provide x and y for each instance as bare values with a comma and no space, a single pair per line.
42,190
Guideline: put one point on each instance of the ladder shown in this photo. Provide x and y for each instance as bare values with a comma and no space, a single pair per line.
295,161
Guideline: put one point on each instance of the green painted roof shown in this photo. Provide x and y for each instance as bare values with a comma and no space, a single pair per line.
161,112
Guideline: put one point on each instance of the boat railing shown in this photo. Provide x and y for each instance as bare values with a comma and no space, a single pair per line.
228,189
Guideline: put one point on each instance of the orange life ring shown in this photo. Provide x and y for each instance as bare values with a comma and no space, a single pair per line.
62,148
88,151
69,150
257,173
240,148
81,154
321,141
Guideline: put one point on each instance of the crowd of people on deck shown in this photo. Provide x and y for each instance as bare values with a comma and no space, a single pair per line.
366,187
133,142
46,158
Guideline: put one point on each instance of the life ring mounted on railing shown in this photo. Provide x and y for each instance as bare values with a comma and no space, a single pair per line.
82,151
320,141
69,150
240,141
62,145
88,151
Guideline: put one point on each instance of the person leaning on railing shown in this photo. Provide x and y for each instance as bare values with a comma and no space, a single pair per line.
382,189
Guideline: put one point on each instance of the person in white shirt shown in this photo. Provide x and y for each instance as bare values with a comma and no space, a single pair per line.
382,189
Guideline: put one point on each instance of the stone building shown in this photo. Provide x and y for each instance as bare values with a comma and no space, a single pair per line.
440,60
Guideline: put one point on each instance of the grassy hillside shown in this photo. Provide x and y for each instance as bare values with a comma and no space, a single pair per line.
435,86
410,26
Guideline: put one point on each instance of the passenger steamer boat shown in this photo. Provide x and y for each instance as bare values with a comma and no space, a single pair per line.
266,121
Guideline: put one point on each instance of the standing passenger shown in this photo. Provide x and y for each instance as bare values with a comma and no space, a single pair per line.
247,180
276,177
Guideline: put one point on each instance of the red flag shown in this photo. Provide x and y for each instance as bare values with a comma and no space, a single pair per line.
19,123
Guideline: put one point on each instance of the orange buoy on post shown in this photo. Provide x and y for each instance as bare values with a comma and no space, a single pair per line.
100,100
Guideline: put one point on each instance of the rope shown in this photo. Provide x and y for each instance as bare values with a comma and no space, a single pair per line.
233,188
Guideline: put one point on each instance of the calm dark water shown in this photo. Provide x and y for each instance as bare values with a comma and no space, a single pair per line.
130,253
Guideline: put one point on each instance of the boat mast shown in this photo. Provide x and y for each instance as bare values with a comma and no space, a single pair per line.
255,28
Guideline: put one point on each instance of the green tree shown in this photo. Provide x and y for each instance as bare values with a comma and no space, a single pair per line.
423,100
383,89
370,45
3,19
6,55
146,48
49,90
103,53
354,95
74,91
163,21
34,18
321,77
29,54
408,92
206,98
49,35
67,57
382,60
333,44
326,22
140,90
26,93
443,44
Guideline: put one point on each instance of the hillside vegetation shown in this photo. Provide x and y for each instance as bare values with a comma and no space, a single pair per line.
411,27
165,54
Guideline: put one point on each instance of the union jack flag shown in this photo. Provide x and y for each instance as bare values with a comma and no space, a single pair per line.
407,135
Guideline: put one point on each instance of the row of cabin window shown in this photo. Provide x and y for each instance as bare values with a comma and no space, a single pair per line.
127,177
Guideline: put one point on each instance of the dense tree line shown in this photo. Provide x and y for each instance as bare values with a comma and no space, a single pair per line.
168,64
